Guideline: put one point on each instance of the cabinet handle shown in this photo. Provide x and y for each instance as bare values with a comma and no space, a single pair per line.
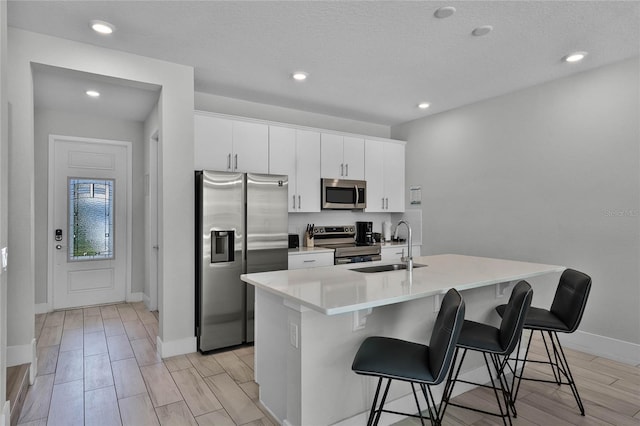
382,203
387,203
347,168
341,169
235,162
294,202
309,261
229,161
299,202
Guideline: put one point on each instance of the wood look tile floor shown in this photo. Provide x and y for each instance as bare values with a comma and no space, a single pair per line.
610,392
98,366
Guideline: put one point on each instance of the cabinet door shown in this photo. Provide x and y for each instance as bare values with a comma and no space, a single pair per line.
282,158
331,161
394,176
308,171
212,143
250,147
374,175
353,157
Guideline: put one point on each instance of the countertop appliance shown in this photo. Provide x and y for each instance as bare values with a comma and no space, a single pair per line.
341,239
364,233
241,227
343,194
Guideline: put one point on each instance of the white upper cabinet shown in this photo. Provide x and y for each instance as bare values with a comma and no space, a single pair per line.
342,157
230,145
213,142
250,147
296,153
384,174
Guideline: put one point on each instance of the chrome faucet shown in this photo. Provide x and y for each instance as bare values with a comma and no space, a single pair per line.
409,259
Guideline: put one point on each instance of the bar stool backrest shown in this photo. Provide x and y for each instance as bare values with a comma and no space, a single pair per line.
514,316
444,336
571,298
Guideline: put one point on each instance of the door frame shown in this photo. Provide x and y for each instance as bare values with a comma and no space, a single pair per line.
50,193
153,221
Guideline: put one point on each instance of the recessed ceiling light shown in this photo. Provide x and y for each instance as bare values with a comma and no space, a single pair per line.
444,12
575,57
423,105
300,75
93,93
101,27
481,31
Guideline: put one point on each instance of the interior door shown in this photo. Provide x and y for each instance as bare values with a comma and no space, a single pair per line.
89,226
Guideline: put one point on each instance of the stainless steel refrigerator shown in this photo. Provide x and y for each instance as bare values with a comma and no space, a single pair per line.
241,227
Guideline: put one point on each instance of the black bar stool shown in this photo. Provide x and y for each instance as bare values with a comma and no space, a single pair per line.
394,359
563,317
495,344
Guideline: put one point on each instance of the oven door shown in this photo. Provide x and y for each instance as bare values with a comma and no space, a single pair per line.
344,194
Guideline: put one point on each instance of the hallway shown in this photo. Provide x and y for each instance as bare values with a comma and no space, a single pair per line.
98,366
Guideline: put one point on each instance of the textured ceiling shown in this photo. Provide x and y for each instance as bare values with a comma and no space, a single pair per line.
368,60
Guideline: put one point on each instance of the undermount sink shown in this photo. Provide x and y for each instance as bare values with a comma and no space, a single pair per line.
386,268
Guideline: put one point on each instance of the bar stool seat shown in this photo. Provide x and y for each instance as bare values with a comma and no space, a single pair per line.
394,359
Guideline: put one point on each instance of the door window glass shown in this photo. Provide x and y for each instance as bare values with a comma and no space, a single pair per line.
91,219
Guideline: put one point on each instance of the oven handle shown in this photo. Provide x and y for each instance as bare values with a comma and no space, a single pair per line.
366,258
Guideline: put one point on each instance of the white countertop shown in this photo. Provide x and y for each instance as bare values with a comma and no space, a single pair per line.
335,290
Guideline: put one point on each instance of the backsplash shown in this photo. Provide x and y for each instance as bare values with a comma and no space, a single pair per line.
298,221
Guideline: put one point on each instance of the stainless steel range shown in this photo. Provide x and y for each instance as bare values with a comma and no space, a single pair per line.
342,240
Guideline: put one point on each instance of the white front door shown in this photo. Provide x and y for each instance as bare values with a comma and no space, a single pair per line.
89,220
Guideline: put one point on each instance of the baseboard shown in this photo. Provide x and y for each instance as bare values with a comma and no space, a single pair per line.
135,297
5,416
42,308
20,354
24,354
176,347
606,347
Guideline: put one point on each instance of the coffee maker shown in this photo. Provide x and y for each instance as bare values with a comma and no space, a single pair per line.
364,233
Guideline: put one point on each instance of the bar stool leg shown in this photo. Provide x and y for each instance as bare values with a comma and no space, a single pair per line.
566,370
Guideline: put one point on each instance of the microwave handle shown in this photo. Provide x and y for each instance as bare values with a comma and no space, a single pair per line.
357,194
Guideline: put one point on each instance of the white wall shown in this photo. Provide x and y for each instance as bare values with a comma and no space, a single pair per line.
4,144
548,174
71,124
224,105
176,214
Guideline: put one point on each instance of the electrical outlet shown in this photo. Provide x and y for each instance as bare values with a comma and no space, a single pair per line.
5,256
293,334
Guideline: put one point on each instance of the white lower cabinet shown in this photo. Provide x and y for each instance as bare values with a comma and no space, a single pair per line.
310,260
394,253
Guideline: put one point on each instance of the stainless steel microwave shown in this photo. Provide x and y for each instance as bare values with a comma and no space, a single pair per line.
343,194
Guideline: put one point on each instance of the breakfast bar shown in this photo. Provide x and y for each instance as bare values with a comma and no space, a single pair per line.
310,323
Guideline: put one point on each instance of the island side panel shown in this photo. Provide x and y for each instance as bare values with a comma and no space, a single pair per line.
271,345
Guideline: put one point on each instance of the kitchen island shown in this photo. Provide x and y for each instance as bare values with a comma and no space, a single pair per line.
310,323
